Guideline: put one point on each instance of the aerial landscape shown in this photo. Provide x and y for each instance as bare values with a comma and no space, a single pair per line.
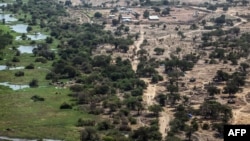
123,70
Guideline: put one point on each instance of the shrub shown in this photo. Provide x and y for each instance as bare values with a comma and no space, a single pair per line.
124,128
37,98
104,125
41,59
132,120
19,73
85,122
205,126
33,83
15,59
65,106
30,66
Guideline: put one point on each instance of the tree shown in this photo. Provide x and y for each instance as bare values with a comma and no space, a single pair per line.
126,29
146,134
33,83
225,8
137,15
3,21
89,134
203,22
165,2
164,26
165,11
68,3
29,28
161,98
157,9
220,20
98,15
159,51
115,22
146,14
212,90
244,66
155,109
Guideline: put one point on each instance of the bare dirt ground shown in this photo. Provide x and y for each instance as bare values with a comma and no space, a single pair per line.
169,40
150,93
76,2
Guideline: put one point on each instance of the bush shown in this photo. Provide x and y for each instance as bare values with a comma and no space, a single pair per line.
19,73
15,59
41,59
124,128
33,83
98,15
37,98
30,66
85,122
205,126
65,106
104,125
132,120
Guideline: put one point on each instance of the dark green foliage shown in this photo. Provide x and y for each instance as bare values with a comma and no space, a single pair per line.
205,126
19,73
5,39
65,106
104,125
82,122
146,14
30,66
215,111
15,59
33,83
89,134
146,134
155,109
41,59
36,98
29,28
98,15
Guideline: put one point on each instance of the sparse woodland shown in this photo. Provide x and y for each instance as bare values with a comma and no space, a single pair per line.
108,88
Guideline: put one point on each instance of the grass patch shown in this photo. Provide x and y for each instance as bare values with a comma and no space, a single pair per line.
28,119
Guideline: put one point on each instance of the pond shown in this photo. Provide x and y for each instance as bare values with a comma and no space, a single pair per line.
3,4
4,67
38,36
14,86
8,18
26,49
19,28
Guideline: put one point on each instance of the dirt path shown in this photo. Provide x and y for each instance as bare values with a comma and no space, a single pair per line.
238,116
150,93
136,47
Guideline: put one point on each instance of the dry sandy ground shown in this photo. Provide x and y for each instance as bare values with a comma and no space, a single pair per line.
76,2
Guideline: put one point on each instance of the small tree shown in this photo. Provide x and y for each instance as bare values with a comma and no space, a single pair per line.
29,28
115,22
98,15
33,83
146,14
159,51
155,109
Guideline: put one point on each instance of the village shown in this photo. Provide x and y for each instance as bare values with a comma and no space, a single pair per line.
175,28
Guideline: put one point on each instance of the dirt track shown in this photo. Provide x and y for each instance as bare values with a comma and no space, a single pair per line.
150,93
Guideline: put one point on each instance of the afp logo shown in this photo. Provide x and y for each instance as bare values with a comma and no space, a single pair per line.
236,132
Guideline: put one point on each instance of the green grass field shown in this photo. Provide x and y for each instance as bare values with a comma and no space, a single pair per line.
28,119
22,117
